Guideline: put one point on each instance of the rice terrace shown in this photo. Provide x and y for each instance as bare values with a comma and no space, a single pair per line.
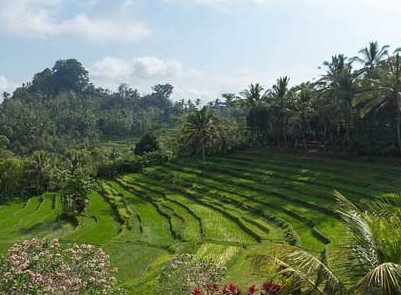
228,210
200,147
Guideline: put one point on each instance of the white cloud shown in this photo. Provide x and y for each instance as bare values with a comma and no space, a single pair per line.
152,67
355,5
113,69
43,18
4,84
144,68
220,2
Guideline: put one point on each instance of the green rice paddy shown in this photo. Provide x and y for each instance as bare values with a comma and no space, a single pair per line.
228,210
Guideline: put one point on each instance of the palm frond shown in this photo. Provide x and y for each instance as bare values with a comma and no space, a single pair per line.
376,102
311,274
385,278
298,279
363,255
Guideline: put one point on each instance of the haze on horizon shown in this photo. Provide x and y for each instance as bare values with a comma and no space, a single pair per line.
202,47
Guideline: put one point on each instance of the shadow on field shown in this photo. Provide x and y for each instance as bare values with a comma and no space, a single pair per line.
42,227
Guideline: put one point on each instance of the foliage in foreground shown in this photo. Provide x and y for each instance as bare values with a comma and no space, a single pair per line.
40,266
369,263
187,272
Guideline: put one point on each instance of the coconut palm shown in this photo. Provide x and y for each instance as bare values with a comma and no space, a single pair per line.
253,97
200,130
371,257
385,91
304,96
337,87
253,100
40,170
231,105
371,57
279,104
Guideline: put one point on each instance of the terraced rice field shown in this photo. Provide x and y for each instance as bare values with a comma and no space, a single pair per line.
229,210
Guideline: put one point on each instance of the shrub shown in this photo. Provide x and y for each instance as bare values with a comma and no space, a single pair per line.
267,288
186,273
41,266
148,143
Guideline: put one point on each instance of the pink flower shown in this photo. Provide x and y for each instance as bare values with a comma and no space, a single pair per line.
196,291
231,289
50,269
252,289
271,288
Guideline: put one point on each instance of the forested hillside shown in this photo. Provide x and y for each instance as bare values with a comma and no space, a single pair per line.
60,109
60,121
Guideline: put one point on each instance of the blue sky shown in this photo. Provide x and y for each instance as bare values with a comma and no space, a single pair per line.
202,47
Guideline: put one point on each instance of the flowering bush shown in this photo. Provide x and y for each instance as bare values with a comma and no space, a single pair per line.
40,266
186,273
271,288
231,289
268,288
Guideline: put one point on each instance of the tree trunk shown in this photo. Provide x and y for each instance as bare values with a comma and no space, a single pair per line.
285,140
349,125
398,129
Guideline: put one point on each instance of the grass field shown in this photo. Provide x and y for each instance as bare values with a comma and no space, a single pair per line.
229,210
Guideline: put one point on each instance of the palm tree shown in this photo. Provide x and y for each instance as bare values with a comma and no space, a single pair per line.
371,256
280,104
385,91
253,101
200,130
304,110
280,89
371,57
41,170
253,97
337,86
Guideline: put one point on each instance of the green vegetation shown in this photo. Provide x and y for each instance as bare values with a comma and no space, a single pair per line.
369,262
230,210
148,178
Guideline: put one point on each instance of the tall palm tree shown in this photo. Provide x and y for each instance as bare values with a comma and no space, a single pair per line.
371,57
304,96
41,170
371,257
338,87
279,102
383,92
253,100
280,89
254,96
200,130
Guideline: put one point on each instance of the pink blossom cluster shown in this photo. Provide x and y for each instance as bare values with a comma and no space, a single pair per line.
41,266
